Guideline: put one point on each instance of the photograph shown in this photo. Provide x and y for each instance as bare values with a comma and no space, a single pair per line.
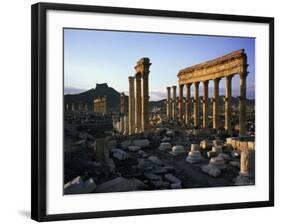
152,111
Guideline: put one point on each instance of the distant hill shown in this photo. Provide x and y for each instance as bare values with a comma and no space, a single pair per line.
113,99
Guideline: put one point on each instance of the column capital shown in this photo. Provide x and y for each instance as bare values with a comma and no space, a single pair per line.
196,84
229,77
131,78
217,80
188,85
206,82
243,74
168,87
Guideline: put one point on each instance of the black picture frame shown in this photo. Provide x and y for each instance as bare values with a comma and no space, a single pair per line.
38,108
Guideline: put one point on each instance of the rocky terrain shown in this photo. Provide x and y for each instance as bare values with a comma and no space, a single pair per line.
169,156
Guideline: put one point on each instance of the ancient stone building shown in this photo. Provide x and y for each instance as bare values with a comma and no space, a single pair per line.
100,104
234,63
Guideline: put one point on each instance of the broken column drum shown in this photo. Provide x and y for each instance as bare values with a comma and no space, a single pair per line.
226,67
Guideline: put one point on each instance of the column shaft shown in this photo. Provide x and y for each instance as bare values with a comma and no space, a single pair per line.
168,103
174,102
196,104
205,105
216,104
242,105
180,103
227,104
145,102
138,103
131,105
122,103
187,104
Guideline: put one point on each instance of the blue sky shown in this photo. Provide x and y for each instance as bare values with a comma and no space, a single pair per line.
95,56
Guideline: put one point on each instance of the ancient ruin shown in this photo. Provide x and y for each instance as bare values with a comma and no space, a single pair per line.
100,105
122,141
214,70
139,96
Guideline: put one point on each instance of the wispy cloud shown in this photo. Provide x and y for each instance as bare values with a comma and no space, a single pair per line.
73,90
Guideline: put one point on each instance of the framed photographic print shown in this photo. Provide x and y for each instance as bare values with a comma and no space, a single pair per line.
139,111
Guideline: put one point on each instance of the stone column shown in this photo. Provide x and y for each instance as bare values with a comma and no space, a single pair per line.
131,105
205,104
101,151
80,107
242,105
138,103
86,107
247,160
105,105
122,103
216,103
121,124
196,104
145,102
72,107
180,103
168,102
126,127
187,104
227,103
174,102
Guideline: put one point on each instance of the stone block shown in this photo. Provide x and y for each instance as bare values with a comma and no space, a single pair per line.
134,148
120,184
120,154
143,143
165,146
211,170
78,186
155,160
125,144
171,178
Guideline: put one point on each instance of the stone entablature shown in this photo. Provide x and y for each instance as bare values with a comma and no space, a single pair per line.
227,65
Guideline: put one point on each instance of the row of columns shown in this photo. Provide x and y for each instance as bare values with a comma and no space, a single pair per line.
139,98
171,103
81,107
